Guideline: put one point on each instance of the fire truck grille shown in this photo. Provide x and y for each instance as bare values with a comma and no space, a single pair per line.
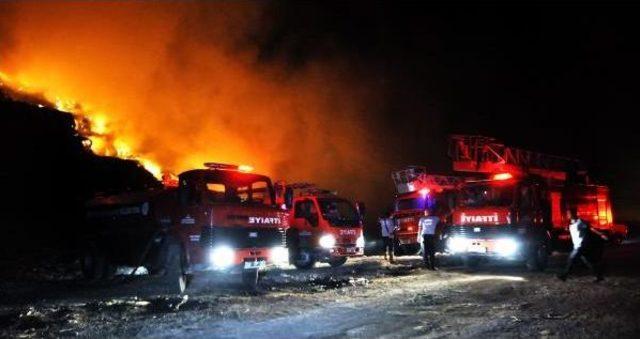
243,237
479,231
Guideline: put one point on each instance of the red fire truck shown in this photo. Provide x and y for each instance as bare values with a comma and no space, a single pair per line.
222,219
323,227
417,192
517,212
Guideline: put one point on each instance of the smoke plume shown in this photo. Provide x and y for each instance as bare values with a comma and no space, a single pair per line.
179,84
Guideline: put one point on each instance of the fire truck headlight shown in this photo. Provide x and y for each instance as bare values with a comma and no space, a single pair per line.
280,255
327,241
360,241
506,247
222,256
457,244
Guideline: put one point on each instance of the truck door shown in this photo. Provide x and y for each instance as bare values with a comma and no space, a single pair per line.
192,213
306,220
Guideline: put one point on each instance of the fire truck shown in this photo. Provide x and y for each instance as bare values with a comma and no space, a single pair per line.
324,227
417,192
218,219
516,210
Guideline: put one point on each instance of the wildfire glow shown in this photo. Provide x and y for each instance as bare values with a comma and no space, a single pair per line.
177,84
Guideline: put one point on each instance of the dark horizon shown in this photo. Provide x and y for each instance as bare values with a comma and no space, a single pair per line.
550,78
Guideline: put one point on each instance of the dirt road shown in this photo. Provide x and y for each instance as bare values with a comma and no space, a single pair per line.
365,298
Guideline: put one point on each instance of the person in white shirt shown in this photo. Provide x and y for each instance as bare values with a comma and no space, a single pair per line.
428,225
587,246
387,230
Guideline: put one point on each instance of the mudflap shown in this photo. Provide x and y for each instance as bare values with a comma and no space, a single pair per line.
538,258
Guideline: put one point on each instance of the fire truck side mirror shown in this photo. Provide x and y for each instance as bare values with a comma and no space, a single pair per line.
288,197
361,208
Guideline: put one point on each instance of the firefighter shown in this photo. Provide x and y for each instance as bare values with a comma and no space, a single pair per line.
428,225
588,245
387,229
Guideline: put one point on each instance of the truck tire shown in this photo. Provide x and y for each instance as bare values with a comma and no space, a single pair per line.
304,259
338,262
93,265
471,262
110,270
408,249
398,250
175,280
250,278
538,258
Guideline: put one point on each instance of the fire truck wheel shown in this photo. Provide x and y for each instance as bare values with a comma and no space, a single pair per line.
175,279
110,270
338,262
93,264
250,278
398,249
538,258
471,262
304,259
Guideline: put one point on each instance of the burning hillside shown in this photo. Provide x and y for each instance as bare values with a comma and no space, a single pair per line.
90,125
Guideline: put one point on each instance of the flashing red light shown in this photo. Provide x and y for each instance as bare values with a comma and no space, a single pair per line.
228,167
502,176
245,168
424,192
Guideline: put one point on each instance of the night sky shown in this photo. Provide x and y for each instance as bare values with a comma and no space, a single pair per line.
551,78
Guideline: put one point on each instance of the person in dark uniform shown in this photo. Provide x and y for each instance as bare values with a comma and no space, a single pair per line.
428,225
387,230
588,246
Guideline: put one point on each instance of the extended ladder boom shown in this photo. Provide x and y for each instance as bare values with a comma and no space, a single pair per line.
471,153
414,178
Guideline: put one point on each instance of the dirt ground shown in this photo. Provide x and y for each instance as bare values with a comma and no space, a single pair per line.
365,298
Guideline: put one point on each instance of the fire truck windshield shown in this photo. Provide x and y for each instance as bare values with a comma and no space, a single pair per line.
339,212
257,192
481,195
417,203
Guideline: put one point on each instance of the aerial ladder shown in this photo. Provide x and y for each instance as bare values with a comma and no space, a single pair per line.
480,154
415,178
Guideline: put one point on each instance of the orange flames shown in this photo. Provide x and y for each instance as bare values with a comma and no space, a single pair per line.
177,84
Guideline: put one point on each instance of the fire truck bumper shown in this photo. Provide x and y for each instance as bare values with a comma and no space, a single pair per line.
408,239
339,251
230,261
507,248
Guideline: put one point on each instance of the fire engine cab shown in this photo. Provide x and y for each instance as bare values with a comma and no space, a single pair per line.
324,227
219,219
516,212
417,193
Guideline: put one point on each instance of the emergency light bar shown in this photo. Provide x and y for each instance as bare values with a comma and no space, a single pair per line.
227,167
